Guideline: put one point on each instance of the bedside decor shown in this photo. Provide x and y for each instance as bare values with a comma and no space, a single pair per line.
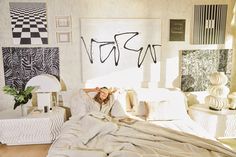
232,104
21,96
217,100
46,84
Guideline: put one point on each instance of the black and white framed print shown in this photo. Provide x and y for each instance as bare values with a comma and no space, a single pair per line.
209,25
197,65
177,30
29,23
21,64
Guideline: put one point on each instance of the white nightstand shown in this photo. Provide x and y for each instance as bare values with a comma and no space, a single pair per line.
218,123
35,128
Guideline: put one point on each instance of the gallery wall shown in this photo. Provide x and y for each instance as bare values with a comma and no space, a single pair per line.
165,73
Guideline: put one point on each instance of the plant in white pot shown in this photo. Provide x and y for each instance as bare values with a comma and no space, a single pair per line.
21,96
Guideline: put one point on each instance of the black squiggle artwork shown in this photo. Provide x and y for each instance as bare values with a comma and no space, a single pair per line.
116,49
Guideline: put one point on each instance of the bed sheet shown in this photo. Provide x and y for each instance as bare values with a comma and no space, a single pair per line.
186,125
108,139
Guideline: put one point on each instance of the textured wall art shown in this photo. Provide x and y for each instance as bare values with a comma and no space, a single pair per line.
29,23
21,64
198,64
111,45
209,24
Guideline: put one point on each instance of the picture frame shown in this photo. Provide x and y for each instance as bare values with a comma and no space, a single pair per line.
63,21
63,37
177,30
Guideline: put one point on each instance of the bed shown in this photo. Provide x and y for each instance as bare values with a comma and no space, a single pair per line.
161,127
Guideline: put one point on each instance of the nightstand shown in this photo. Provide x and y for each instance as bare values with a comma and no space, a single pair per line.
35,128
218,123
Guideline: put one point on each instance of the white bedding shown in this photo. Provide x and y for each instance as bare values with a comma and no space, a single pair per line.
96,134
185,125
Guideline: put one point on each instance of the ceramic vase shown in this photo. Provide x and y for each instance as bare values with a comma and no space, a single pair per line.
217,98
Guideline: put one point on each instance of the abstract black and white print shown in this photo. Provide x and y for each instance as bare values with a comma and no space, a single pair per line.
197,65
21,64
29,23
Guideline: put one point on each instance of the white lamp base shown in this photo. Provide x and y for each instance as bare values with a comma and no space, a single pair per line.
44,99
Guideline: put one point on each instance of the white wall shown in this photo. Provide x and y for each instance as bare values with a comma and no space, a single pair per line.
70,57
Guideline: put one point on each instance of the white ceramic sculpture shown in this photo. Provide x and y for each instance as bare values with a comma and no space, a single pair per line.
217,100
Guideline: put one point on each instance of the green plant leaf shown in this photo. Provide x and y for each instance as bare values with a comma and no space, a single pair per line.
21,96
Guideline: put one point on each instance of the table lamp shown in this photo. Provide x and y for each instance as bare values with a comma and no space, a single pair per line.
45,84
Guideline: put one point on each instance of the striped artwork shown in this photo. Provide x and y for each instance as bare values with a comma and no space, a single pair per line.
209,24
21,64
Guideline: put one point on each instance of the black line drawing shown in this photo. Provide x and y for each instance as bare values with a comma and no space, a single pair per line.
116,49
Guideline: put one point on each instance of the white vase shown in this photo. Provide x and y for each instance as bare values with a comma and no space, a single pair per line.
218,90
216,103
24,110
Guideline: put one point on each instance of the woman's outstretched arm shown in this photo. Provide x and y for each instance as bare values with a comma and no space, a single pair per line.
87,90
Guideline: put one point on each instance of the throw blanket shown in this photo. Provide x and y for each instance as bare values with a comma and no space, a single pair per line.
105,136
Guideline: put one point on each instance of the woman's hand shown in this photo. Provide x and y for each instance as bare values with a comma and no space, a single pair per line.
97,89
113,90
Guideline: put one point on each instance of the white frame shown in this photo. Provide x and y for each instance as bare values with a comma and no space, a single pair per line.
63,21
63,37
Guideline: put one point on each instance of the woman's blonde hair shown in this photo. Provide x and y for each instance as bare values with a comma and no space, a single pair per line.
99,100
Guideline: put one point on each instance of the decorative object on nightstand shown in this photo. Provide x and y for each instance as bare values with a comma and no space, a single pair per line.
45,84
232,104
21,97
217,100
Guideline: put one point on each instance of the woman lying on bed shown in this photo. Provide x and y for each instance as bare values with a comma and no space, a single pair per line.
97,130
104,102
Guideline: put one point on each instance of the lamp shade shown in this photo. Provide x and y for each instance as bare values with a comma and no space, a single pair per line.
44,83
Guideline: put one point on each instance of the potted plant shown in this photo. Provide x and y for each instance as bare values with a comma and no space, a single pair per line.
21,96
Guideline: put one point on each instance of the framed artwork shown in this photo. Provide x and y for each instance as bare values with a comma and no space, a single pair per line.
119,44
209,24
197,65
28,23
177,30
63,21
23,63
63,37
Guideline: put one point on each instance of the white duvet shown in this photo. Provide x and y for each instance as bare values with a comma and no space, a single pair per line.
98,135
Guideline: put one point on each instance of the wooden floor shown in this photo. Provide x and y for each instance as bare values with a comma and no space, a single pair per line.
40,150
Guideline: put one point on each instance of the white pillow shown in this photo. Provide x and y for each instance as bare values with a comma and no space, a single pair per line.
141,109
162,104
162,110
72,99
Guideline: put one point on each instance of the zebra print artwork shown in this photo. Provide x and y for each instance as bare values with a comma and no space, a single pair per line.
21,64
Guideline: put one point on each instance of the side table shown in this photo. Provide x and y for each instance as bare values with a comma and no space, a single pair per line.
218,123
35,128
